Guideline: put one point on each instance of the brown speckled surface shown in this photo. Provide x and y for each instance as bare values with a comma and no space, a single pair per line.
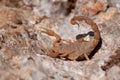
21,41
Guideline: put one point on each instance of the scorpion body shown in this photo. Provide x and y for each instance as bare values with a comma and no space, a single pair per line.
77,49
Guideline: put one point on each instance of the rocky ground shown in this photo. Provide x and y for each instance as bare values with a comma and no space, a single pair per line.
23,47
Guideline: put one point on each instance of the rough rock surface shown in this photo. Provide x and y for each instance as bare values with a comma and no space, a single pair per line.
22,55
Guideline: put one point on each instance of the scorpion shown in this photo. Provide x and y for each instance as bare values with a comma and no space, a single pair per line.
76,50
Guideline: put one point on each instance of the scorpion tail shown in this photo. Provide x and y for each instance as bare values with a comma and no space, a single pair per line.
91,23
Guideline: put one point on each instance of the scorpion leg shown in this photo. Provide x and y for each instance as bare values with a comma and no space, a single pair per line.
85,55
75,56
65,54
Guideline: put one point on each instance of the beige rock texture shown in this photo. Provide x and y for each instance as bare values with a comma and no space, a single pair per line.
23,47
